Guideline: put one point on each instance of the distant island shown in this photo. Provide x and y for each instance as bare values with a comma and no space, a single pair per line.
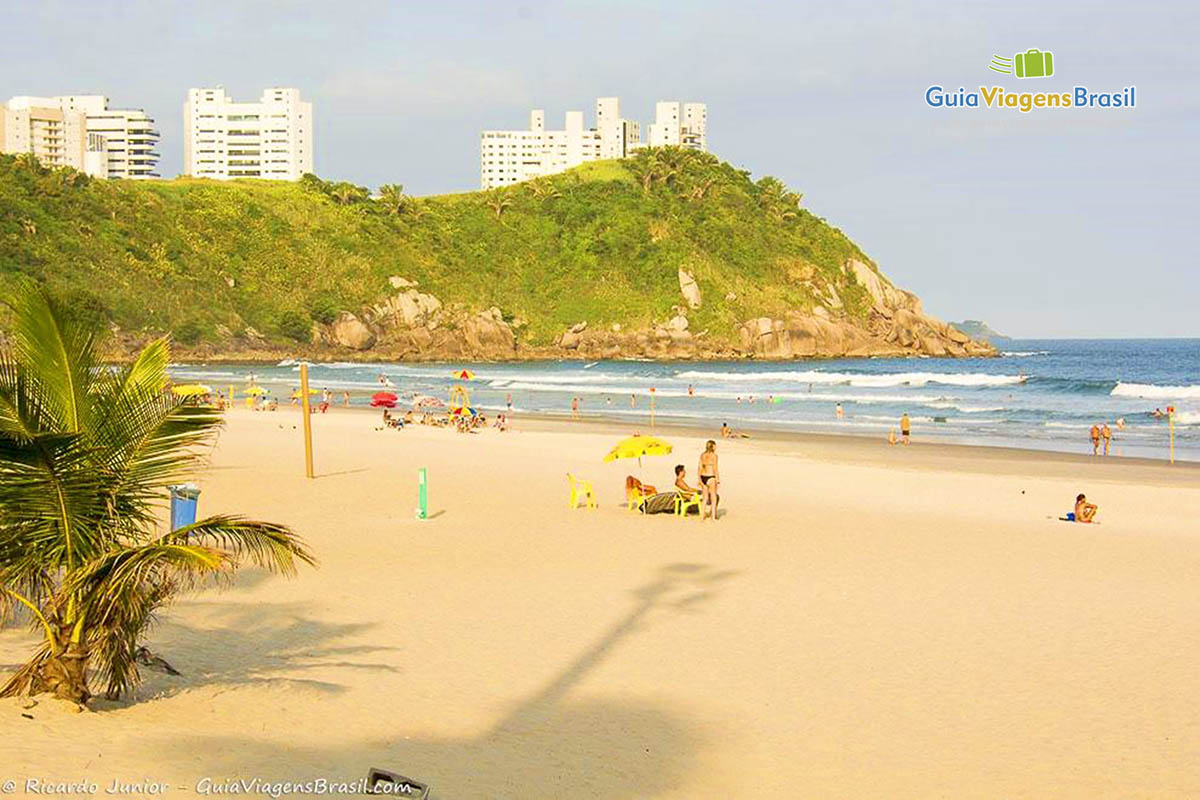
670,254
978,329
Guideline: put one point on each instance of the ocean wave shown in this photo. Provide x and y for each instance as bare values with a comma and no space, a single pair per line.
1024,353
760,398
1150,391
861,380
1187,417
965,409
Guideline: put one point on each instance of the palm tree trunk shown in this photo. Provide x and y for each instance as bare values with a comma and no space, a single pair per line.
64,675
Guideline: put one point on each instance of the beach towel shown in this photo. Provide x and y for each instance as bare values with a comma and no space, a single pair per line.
661,503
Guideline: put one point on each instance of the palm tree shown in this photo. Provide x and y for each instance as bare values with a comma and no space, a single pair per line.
646,169
542,190
776,200
393,198
497,202
86,452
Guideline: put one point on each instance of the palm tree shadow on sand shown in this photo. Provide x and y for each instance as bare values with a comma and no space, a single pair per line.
549,745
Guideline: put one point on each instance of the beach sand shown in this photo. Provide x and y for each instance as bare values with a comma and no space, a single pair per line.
864,621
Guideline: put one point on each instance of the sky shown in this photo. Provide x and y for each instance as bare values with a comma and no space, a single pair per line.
1052,223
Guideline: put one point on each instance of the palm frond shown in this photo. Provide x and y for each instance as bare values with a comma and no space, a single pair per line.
264,544
60,351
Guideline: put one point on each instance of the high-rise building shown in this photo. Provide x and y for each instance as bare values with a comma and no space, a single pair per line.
81,131
680,125
39,126
129,137
508,157
270,139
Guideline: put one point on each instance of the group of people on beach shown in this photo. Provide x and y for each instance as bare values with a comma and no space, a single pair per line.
1103,433
707,491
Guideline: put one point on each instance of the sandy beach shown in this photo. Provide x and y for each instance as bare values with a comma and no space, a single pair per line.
864,621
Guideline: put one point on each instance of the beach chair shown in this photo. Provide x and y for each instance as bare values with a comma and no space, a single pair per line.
580,489
683,504
636,493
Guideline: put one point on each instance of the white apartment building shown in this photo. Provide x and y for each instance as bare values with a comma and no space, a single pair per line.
270,139
508,157
680,125
81,131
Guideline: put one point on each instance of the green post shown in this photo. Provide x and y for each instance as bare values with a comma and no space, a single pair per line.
422,494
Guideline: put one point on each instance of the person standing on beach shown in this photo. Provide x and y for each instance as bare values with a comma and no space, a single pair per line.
1095,432
632,400
691,391
508,401
710,476
574,408
839,412
1106,434
346,399
905,427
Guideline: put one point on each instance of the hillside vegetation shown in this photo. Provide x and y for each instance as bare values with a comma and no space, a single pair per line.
224,264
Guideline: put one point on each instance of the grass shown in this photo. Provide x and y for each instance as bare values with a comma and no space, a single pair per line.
601,243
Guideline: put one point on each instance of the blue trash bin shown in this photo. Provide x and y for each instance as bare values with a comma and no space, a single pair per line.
183,504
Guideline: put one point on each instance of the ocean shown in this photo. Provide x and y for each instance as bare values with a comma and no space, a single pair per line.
1042,394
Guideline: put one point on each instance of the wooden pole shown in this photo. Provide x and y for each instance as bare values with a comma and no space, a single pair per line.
308,465
651,408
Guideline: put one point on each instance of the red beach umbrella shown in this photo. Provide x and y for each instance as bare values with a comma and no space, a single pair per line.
384,399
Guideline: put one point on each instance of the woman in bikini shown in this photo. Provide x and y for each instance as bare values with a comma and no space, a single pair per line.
709,478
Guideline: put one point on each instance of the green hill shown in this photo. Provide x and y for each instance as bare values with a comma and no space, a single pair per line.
978,329
256,268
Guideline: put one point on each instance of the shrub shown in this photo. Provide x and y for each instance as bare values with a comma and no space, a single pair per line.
294,325
187,332
323,309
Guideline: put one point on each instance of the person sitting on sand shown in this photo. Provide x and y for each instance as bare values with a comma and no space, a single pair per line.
891,435
726,431
681,484
1085,511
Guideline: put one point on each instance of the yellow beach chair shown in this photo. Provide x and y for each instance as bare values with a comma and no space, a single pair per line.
580,489
683,504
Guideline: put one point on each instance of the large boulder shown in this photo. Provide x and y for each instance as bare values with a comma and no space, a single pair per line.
349,331
689,288
409,308
881,290
488,335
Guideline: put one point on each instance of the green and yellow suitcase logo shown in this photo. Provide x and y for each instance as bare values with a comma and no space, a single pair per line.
1033,63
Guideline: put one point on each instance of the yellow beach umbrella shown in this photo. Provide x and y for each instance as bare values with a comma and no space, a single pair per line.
191,390
638,446
296,394
255,391
464,375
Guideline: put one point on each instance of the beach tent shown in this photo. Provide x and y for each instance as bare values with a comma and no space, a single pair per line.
459,397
